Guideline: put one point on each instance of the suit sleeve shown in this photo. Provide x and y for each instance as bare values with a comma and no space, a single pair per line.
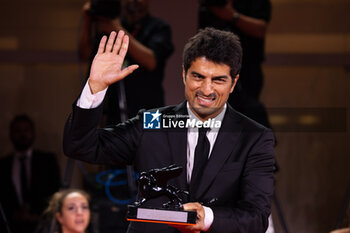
250,213
83,140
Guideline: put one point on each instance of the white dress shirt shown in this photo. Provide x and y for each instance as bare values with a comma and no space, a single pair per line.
192,138
16,172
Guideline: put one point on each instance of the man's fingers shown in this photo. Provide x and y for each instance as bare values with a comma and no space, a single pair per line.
200,214
191,206
128,70
118,42
101,47
110,41
124,47
118,46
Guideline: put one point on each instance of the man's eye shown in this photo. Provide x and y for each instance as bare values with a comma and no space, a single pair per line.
71,208
220,80
85,207
197,76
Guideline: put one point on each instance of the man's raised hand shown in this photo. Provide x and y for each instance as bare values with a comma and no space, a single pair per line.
106,67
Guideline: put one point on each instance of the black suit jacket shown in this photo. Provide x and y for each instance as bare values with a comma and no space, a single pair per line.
239,171
45,180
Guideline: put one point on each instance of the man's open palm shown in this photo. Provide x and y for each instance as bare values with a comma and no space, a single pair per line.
107,65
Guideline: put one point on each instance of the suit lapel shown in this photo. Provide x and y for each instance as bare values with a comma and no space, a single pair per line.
178,146
224,145
11,189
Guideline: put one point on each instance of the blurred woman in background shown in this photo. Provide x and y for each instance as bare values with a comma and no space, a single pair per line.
69,212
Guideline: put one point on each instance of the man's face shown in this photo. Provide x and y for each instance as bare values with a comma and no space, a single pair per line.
207,87
137,8
22,135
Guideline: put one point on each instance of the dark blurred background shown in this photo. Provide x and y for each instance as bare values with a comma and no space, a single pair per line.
306,90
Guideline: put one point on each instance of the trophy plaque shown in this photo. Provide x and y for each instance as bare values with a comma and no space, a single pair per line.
153,184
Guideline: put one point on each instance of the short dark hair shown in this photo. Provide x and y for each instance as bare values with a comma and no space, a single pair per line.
22,118
218,46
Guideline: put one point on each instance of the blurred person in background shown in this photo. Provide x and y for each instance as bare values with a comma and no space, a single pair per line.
150,47
28,177
249,20
68,212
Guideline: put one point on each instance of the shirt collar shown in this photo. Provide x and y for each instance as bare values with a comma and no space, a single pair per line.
28,153
219,117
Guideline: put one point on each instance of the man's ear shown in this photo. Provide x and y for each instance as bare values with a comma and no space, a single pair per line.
234,82
183,75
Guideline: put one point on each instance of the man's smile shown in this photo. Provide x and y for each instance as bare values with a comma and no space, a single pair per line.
204,100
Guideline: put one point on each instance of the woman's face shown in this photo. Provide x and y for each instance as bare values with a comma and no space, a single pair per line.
75,213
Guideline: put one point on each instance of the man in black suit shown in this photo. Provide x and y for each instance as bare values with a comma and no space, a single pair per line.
28,178
237,163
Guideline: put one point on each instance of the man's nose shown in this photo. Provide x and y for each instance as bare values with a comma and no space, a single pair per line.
207,87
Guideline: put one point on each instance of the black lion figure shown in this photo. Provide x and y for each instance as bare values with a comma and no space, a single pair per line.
153,184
